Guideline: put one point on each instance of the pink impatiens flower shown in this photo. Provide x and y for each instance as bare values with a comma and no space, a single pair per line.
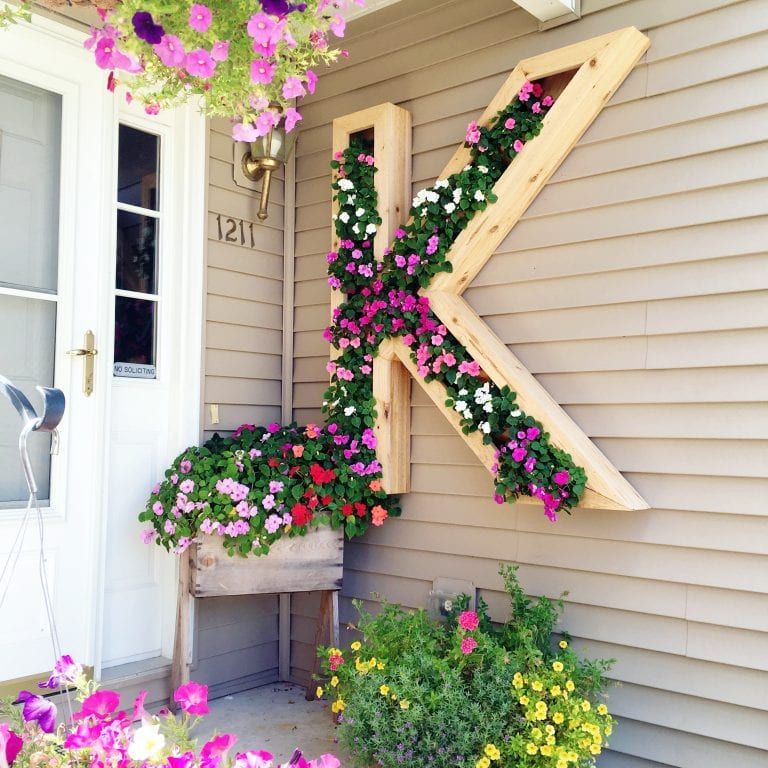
192,698
510,123
200,64
473,133
200,17
468,644
518,146
170,50
562,478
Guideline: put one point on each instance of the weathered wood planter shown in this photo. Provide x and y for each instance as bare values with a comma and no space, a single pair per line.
303,564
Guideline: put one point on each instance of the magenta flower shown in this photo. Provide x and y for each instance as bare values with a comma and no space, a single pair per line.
37,709
65,670
10,745
518,146
215,749
200,64
311,81
145,28
220,50
337,25
468,644
185,467
200,17
292,88
104,53
192,698
170,50
469,620
510,123
292,116
562,478
253,759
267,120
187,760
262,71
99,705
264,29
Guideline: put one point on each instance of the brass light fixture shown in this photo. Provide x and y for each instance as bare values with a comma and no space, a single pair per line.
265,157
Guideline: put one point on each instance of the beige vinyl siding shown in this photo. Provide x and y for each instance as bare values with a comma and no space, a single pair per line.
236,637
635,290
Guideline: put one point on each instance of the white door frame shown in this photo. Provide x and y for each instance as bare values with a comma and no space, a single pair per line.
90,116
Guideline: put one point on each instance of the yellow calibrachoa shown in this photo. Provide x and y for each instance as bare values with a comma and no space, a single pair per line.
338,706
492,752
405,704
334,681
319,692
557,666
356,646
384,690
483,762
563,644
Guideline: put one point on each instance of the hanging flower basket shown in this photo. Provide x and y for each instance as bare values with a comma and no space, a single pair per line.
247,60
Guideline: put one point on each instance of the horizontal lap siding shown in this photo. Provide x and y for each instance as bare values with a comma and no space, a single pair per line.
236,637
636,289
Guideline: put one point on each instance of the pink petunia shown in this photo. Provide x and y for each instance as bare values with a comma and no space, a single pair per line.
192,698
264,29
200,17
200,64
170,50
220,50
243,132
292,116
292,88
262,71
311,81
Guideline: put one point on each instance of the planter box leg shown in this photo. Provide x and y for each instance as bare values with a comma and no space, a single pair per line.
182,641
329,612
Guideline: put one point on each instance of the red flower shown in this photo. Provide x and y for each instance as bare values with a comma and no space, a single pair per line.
313,502
273,463
320,475
293,471
326,500
346,510
309,493
301,514
360,509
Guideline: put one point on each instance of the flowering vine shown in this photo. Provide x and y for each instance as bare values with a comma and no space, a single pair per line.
267,482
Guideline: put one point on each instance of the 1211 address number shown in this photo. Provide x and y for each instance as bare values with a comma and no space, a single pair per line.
235,231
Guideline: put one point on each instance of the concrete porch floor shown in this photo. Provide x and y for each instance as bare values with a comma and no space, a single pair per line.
275,718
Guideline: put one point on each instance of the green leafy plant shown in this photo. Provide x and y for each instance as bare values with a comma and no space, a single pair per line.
466,692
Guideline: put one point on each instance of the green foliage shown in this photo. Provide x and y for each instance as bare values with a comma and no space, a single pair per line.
467,693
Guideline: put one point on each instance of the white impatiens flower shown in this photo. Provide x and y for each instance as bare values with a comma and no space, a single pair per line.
449,207
344,216
479,196
356,228
349,410
370,229
460,406
346,185
147,744
467,167
483,395
484,427
488,407
432,197
457,194
517,412
351,199
482,168
441,184
424,211
360,212
463,391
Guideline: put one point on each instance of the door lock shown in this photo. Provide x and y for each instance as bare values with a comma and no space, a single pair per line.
88,352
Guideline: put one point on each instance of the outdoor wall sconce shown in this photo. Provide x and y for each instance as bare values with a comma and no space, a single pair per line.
265,157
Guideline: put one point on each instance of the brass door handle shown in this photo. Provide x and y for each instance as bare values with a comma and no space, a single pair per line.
88,352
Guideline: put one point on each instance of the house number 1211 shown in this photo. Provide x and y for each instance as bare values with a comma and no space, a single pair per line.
235,230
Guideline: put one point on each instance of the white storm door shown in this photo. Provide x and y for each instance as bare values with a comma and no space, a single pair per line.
53,288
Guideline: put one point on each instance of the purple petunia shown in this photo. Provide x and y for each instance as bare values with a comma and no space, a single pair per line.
37,709
145,28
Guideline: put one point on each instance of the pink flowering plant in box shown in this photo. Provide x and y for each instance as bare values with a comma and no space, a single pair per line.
102,734
247,60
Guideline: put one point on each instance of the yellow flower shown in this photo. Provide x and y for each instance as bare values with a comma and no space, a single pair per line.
394,697
555,690
384,690
531,749
558,717
608,730
536,733
561,764
356,646
338,706
602,709
372,662
524,700
586,706
483,762
380,665
550,729
517,680
537,686
569,686
405,704
563,644
595,749
492,751
334,681
546,750
319,692
558,666
550,740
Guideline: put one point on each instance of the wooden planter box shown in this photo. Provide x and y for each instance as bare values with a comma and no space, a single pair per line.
303,564
308,563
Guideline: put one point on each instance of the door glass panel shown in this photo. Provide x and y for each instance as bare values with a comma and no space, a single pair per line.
135,338
136,249
137,168
27,338
30,147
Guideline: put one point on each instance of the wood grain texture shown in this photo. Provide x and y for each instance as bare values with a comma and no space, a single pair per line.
299,564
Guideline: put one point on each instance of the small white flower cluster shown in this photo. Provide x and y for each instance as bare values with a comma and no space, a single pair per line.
484,397
346,185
